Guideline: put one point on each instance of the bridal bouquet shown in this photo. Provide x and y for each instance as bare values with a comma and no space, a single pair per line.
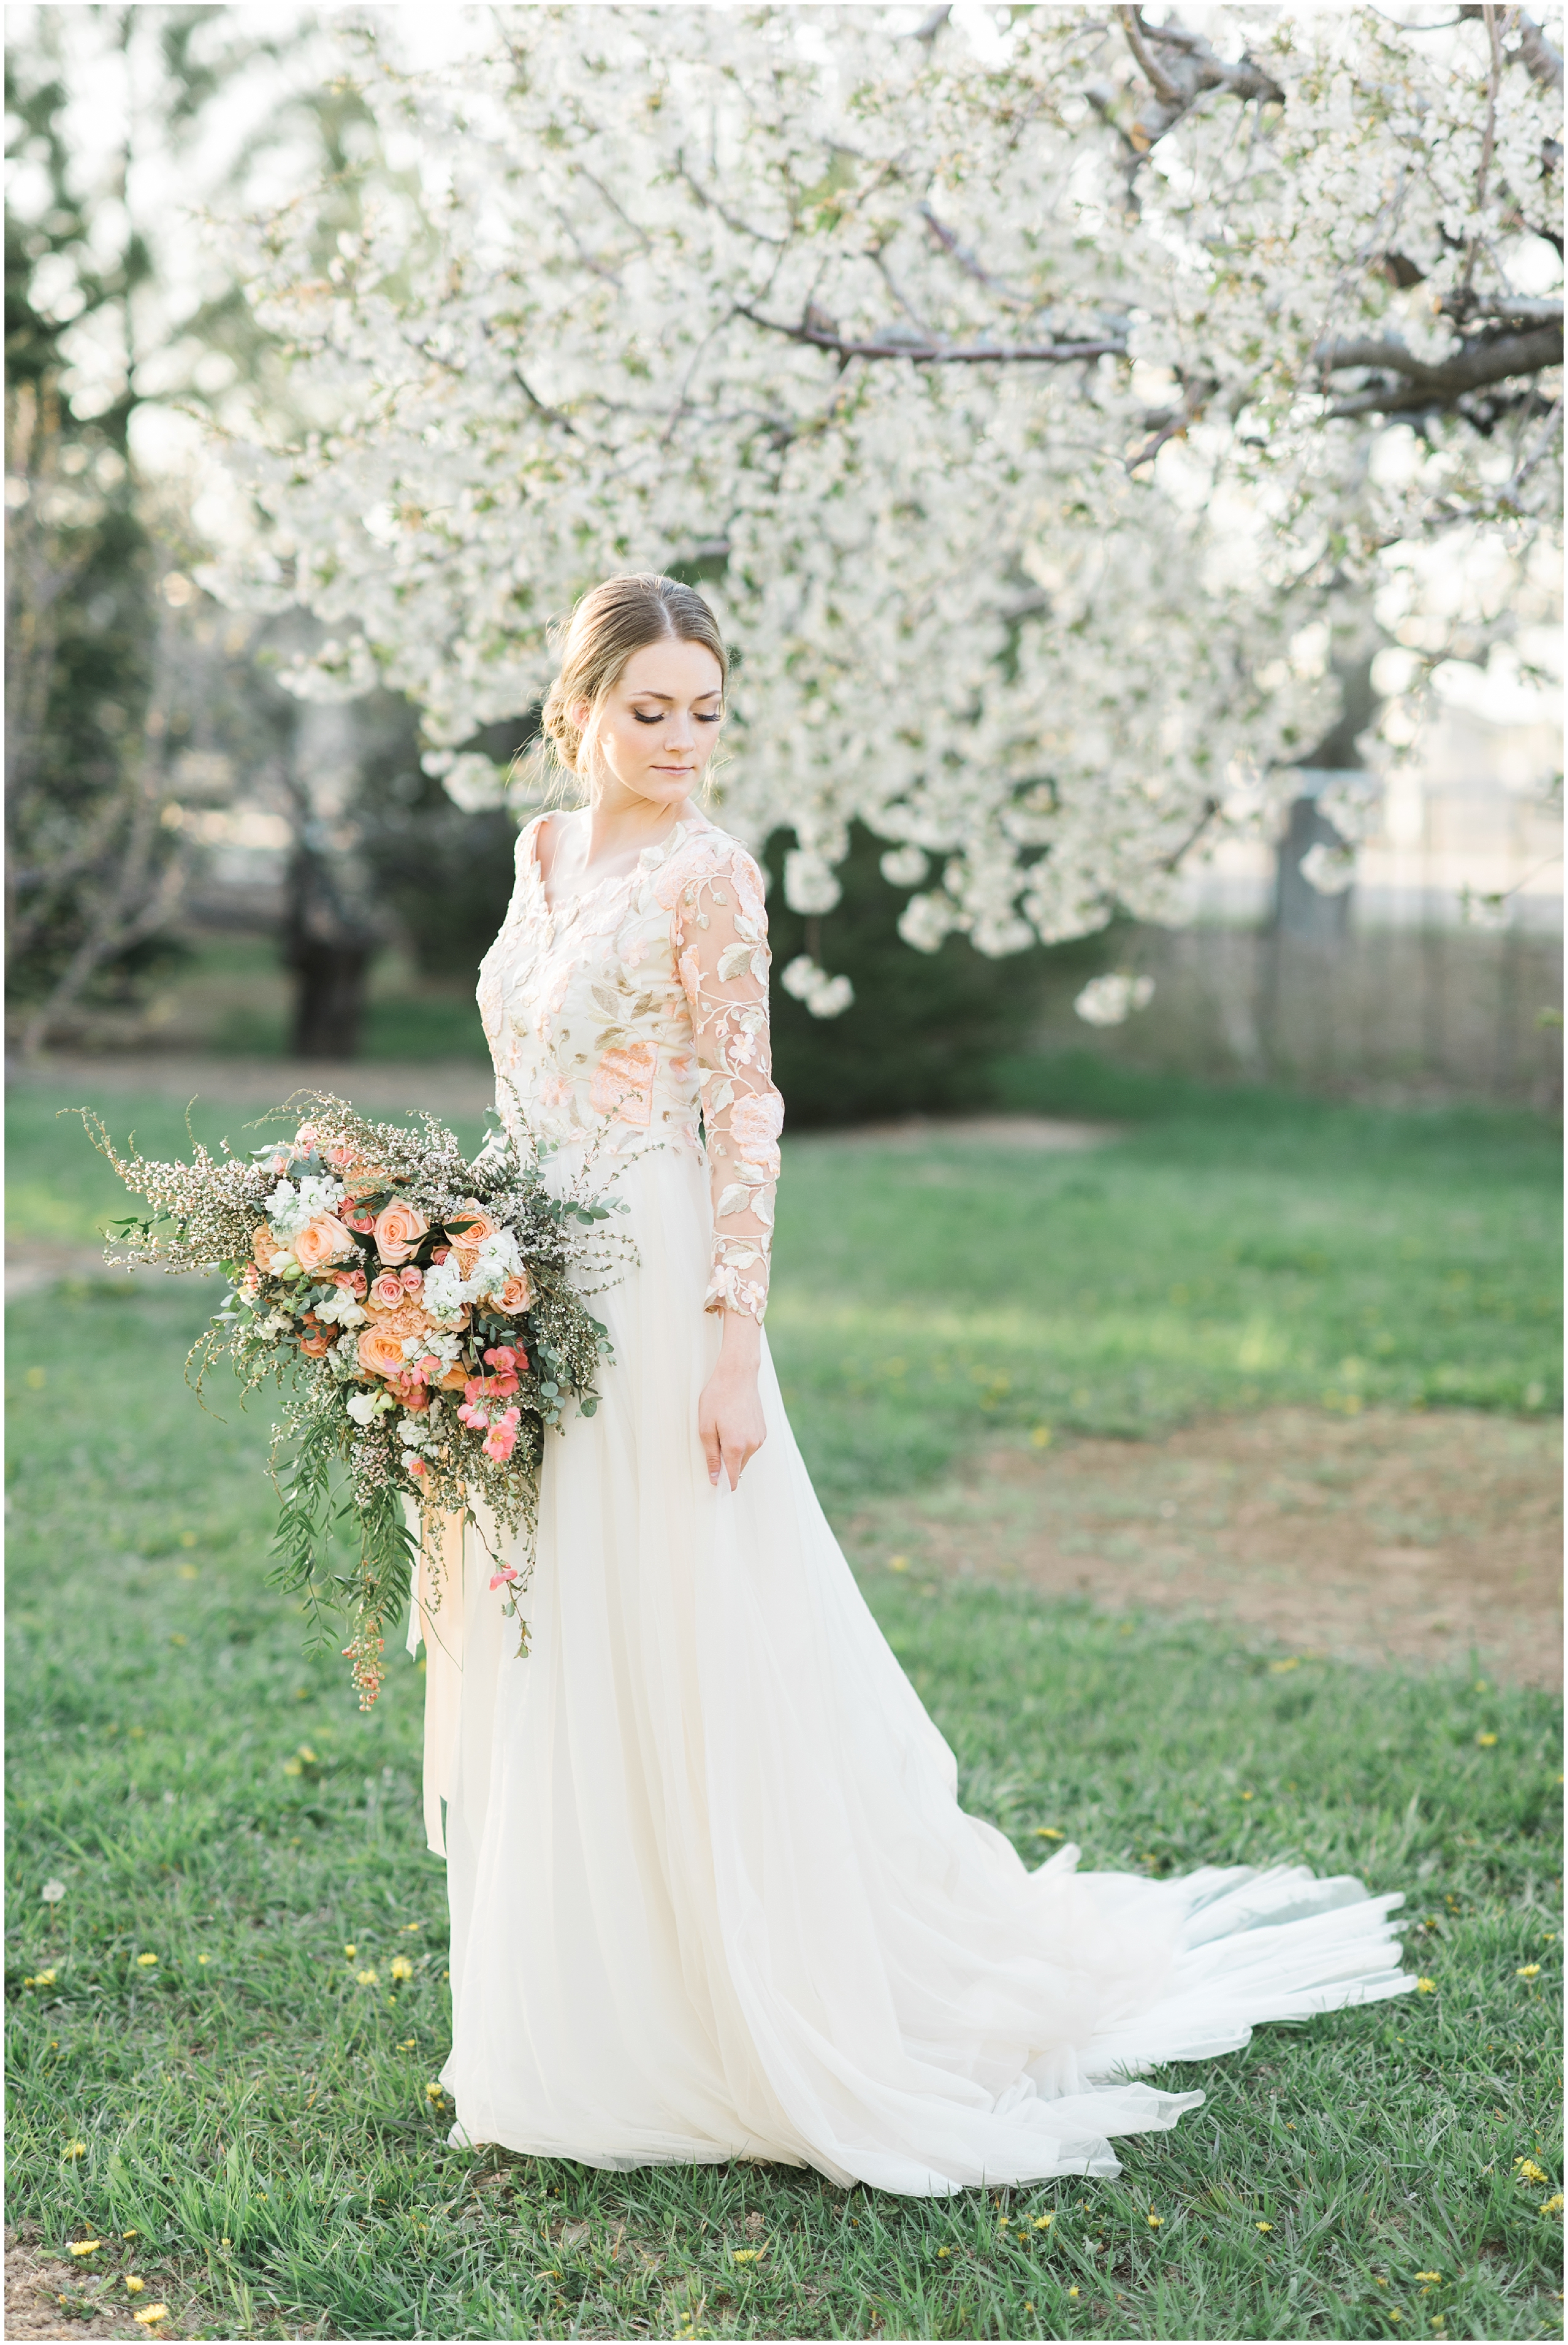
425,1310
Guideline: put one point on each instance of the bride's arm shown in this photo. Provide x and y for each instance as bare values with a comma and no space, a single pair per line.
720,932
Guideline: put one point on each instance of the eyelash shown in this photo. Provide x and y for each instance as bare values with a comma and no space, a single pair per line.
641,719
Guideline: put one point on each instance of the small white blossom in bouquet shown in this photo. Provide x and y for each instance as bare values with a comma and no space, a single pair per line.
428,1311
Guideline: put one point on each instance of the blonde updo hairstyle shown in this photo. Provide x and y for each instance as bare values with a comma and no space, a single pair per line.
612,620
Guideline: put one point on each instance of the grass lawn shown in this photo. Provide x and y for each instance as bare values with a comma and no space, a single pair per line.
251,2102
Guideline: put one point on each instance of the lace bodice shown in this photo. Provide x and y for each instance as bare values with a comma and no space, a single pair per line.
639,1005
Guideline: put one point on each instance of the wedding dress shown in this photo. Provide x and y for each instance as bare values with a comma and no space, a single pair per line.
711,1892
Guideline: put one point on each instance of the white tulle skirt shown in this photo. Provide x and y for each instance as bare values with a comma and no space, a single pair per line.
711,1892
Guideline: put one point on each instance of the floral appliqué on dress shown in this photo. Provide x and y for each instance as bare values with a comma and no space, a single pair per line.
639,1005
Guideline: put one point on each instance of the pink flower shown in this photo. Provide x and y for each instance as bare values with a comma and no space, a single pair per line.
502,1356
387,1292
503,1572
399,1226
413,1278
251,1281
441,1254
304,1140
429,1368
351,1281
418,1467
499,1443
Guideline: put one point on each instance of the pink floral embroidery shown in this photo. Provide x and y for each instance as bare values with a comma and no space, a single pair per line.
622,1082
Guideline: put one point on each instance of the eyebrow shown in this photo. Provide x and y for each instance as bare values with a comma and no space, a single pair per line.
714,694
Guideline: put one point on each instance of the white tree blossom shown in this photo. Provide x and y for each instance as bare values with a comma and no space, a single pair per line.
1032,394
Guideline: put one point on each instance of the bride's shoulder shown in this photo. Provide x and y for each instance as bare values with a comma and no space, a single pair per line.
704,852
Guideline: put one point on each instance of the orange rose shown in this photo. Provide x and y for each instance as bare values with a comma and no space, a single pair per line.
322,1241
466,1243
380,1351
399,1226
456,1376
513,1294
263,1247
316,1348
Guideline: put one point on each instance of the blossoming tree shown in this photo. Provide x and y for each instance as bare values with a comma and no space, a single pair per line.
1032,392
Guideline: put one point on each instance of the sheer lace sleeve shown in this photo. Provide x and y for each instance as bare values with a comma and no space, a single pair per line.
721,938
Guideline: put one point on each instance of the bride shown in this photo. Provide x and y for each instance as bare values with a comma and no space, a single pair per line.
711,1892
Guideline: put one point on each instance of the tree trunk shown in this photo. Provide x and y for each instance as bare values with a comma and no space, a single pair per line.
330,980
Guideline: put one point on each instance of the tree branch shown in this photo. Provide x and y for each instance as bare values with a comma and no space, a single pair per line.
1179,78
1426,383
819,333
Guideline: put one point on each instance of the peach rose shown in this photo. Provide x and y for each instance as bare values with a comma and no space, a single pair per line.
316,1348
399,1226
263,1247
386,1293
454,1378
466,1243
513,1294
380,1350
322,1241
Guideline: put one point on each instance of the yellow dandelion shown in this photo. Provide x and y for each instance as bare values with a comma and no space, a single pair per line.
1553,2206
433,2093
204,1958
1530,1970
1279,1668
1265,2227
944,2251
41,1978
350,1952
412,1925
1044,2222
367,1978
1248,1795
744,2255
76,2149
1486,1740
146,1962
1426,1987
408,2043
130,2235
898,1563
1072,2291
1530,2172
402,1968
133,2286
1048,1832
84,2247
1155,2222
1394,2313
154,2313
1430,2277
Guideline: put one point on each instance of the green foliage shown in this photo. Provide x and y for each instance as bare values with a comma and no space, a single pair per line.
259,2115
923,1028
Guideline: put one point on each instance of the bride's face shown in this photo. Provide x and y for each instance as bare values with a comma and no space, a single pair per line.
655,729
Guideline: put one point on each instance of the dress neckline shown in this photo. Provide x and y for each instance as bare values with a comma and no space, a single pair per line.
647,857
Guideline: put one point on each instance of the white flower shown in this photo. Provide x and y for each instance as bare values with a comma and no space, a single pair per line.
361,1407
497,1260
445,1290
809,882
1110,1000
473,783
294,1202
905,866
1330,869
52,1892
339,1309
823,996
926,920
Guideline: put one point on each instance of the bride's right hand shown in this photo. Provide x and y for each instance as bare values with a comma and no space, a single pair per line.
730,1421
